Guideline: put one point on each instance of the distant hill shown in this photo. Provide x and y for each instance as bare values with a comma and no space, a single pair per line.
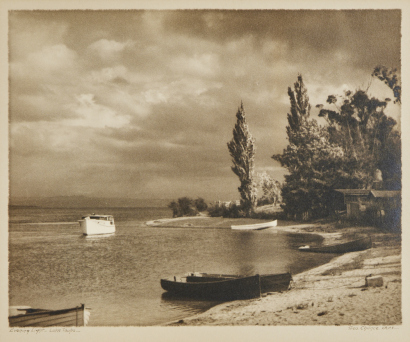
86,202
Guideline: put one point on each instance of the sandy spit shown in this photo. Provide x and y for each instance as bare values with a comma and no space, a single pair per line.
331,294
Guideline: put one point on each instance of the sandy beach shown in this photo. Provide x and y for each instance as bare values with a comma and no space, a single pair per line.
333,294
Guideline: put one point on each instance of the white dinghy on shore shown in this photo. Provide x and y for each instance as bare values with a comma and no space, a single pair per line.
257,226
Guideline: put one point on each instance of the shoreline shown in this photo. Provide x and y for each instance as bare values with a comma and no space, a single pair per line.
334,293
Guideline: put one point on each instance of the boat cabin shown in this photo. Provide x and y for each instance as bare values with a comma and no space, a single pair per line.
99,217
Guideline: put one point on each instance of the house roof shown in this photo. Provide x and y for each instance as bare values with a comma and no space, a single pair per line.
354,192
374,193
385,193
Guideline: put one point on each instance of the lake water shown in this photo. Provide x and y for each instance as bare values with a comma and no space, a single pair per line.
53,266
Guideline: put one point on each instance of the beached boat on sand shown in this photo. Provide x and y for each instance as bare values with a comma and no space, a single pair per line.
275,282
225,287
97,224
351,246
213,288
24,316
268,282
257,226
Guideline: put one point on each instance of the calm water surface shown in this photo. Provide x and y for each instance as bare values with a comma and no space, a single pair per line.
52,265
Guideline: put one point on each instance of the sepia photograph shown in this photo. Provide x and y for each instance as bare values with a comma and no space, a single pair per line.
204,166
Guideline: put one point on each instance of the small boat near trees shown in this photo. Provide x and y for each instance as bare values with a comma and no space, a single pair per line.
24,316
256,226
97,224
225,287
351,246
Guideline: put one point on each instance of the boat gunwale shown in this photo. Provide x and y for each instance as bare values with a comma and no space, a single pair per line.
49,318
255,226
366,241
222,279
49,312
91,216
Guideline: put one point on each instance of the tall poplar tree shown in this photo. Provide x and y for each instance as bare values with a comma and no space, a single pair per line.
312,162
242,150
299,109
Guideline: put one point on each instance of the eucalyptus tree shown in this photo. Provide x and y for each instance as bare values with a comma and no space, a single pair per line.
390,156
391,78
242,150
367,135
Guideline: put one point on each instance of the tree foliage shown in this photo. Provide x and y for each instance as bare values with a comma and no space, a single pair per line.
313,164
310,159
242,150
367,136
390,156
200,204
230,211
186,206
271,189
390,77
299,108
358,140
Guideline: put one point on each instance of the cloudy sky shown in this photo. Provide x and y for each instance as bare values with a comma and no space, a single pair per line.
141,104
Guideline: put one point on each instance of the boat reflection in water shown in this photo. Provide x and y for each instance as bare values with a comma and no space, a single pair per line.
97,237
176,302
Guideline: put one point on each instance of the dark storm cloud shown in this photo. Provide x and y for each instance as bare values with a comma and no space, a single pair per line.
368,34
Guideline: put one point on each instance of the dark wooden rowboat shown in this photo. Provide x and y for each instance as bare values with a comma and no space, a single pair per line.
268,282
28,317
214,287
351,246
226,287
275,282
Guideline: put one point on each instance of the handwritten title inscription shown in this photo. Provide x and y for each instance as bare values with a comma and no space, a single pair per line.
43,330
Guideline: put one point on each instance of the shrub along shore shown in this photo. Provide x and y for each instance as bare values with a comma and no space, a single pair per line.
331,294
